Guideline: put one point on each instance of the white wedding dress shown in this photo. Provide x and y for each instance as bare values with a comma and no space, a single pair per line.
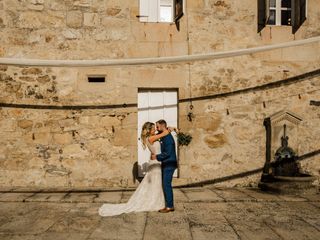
149,194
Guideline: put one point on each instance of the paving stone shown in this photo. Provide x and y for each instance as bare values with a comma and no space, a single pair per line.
231,194
312,197
85,209
10,209
317,204
244,215
206,223
259,195
201,194
63,236
290,228
125,226
109,197
19,237
173,225
46,236
80,197
14,197
302,210
179,196
46,197
74,224
31,218
126,196
23,225
290,198
251,226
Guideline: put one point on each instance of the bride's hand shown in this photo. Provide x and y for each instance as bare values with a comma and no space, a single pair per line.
170,129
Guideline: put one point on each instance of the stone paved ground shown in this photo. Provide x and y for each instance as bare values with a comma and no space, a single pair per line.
201,213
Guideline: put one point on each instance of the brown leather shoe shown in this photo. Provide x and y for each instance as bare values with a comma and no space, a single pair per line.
166,210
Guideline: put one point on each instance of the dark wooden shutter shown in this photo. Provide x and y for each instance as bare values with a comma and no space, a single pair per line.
298,14
178,10
262,14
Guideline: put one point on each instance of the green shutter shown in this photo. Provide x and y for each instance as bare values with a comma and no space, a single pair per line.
298,14
178,10
262,14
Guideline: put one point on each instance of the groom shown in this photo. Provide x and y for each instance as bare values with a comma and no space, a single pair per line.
168,160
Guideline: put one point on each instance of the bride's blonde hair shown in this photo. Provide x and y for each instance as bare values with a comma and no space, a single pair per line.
145,132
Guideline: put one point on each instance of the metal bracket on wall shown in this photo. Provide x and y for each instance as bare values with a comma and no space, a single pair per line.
315,103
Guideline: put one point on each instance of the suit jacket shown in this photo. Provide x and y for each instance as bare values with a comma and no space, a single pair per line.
168,155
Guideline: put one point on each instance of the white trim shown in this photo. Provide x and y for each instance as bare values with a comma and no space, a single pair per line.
306,8
161,60
159,11
278,10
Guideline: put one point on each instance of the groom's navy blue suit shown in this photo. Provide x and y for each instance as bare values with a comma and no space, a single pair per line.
168,159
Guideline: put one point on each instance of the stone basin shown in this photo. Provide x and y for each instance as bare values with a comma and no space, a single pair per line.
301,184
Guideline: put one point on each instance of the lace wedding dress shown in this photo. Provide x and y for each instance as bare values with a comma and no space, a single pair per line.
149,194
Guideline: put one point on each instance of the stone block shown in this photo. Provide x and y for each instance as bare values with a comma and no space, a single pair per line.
36,7
196,4
25,124
75,151
153,32
74,19
31,71
91,19
108,197
37,2
209,122
125,137
42,138
135,223
71,34
201,195
30,19
215,141
64,138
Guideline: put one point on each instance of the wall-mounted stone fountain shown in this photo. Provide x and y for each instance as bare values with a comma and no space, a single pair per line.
283,174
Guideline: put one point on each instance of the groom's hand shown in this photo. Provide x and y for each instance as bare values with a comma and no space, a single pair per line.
153,157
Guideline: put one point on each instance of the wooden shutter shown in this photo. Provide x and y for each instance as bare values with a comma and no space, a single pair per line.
178,10
298,14
148,10
262,14
143,10
153,10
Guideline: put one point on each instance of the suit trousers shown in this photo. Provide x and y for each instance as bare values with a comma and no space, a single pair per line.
167,175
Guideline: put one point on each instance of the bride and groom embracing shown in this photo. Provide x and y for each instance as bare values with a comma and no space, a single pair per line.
155,190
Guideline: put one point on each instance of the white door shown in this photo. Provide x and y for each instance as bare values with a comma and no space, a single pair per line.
154,105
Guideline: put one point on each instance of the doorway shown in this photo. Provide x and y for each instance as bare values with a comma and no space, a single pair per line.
153,105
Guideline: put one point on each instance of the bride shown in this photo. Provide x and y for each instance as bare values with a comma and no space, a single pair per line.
149,194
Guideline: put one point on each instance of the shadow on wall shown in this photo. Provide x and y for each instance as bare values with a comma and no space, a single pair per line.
135,171
241,175
275,84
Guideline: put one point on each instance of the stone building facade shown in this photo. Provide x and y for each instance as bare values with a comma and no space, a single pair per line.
95,148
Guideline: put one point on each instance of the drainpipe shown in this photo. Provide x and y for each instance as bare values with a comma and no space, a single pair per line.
265,175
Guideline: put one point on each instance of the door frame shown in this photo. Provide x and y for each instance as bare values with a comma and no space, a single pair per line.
178,114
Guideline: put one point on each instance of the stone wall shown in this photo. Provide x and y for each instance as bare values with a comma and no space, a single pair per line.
97,148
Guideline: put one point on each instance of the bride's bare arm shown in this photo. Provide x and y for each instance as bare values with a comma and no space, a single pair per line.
171,129
154,138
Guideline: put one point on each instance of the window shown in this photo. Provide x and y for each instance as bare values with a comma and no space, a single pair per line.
96,79
281,12
166,11
160,10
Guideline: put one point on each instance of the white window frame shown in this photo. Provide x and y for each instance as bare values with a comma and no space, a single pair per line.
148,13
165,5
278,10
